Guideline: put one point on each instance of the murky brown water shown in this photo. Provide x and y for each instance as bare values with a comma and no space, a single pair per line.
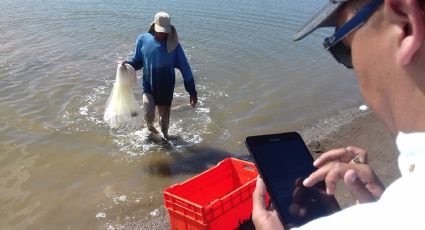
61,167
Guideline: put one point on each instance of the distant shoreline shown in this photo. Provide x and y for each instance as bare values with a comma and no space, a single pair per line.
348,127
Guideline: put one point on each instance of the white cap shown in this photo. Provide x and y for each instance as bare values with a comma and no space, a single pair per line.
162,22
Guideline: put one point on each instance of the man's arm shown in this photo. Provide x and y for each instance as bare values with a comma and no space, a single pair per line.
137,60
184,67
189,83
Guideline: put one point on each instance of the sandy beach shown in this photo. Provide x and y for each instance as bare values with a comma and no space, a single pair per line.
348,127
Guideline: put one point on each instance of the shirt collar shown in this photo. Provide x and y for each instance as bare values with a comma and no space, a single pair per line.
412,152
410,143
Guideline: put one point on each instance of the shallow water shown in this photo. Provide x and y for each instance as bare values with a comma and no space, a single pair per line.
62,167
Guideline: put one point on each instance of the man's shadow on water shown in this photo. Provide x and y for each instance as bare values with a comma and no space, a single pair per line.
167,144
190,159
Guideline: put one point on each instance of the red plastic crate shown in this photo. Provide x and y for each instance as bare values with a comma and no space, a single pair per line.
219,198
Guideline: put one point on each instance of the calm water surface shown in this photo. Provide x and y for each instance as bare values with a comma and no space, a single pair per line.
61,167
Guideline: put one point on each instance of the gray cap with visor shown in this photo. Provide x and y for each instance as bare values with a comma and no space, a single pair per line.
328,17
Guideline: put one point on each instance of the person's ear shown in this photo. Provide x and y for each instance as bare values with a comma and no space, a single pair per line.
408,17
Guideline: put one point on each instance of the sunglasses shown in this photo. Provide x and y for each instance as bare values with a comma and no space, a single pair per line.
333,44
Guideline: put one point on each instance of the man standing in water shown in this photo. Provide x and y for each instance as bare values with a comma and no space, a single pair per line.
158,52
384,41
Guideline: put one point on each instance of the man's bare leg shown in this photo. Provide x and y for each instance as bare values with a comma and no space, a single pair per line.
149,107
164,119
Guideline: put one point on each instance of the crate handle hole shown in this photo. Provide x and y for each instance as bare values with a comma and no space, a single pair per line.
248,167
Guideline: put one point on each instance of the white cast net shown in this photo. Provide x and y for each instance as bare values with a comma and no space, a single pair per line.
122,109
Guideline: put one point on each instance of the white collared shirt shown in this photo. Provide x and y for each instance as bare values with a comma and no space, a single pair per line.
412,152
402,204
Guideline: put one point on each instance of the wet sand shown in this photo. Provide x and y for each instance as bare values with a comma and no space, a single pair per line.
349,127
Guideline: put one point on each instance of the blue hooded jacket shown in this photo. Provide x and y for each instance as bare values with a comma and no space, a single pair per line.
158,68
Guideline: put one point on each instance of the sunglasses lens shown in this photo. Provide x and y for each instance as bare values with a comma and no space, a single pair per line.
342,54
